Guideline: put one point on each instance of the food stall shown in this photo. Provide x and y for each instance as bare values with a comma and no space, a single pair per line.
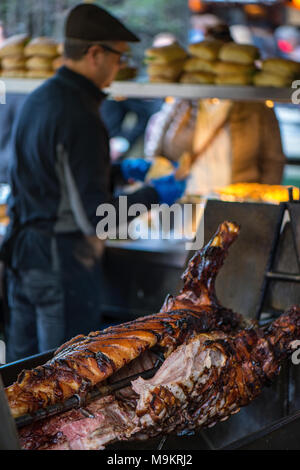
259,280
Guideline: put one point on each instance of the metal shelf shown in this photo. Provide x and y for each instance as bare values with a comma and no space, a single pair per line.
133,89
20,85
191,91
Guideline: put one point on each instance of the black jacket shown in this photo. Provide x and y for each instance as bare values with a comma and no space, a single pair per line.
61,169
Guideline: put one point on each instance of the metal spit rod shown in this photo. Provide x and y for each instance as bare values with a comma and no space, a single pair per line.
76,401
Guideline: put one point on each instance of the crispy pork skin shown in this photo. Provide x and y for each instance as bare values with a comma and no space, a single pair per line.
85,361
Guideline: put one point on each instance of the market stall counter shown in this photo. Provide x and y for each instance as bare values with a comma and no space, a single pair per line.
138,275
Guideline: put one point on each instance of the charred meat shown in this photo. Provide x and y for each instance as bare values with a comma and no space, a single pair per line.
85,361
204,381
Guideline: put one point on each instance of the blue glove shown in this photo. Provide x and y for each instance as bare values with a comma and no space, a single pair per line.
135,168
169,189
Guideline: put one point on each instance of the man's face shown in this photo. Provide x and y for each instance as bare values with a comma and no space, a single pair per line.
106,63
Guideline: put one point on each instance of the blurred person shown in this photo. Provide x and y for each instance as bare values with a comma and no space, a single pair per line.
199,24
114,114
288,41
263,38
8,114
229,142
60,174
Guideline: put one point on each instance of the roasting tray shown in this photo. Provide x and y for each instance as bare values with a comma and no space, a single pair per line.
282,434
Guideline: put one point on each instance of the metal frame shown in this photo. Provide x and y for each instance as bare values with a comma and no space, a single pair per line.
270,274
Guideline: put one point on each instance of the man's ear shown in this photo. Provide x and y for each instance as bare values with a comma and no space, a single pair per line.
94,51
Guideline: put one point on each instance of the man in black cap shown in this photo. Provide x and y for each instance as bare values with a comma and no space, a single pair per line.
60,174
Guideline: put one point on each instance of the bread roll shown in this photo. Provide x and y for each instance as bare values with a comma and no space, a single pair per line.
13,62
197,77
165,54
195,64
126,73
225,68
207,50
234,79
159,79
161,166
171,70
39,73
42,46
238,53
19,73
271,79
279,66
39,63
13,46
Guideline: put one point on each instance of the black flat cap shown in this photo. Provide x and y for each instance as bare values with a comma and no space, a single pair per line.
92,23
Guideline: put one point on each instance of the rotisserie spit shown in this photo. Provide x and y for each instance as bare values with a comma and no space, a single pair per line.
214,363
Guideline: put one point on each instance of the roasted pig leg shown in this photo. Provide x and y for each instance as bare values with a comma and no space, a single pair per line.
85,361
200,276
204,381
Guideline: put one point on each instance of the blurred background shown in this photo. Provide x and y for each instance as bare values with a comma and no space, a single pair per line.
273,26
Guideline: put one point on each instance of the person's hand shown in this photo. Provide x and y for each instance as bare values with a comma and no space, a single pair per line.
169,189
135,168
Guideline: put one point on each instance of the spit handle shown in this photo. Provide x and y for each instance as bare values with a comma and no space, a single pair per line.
8,431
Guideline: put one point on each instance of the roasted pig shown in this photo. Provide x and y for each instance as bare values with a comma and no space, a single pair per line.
85,361
202,382
213,375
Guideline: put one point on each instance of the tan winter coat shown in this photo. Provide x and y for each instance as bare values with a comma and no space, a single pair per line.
257,154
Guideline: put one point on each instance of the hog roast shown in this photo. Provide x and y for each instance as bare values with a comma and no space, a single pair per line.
85,361
205,380
214,363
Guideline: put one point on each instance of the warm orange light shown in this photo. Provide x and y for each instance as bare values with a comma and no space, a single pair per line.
269,103
296,3
255,10
256,192
169,99
195,5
